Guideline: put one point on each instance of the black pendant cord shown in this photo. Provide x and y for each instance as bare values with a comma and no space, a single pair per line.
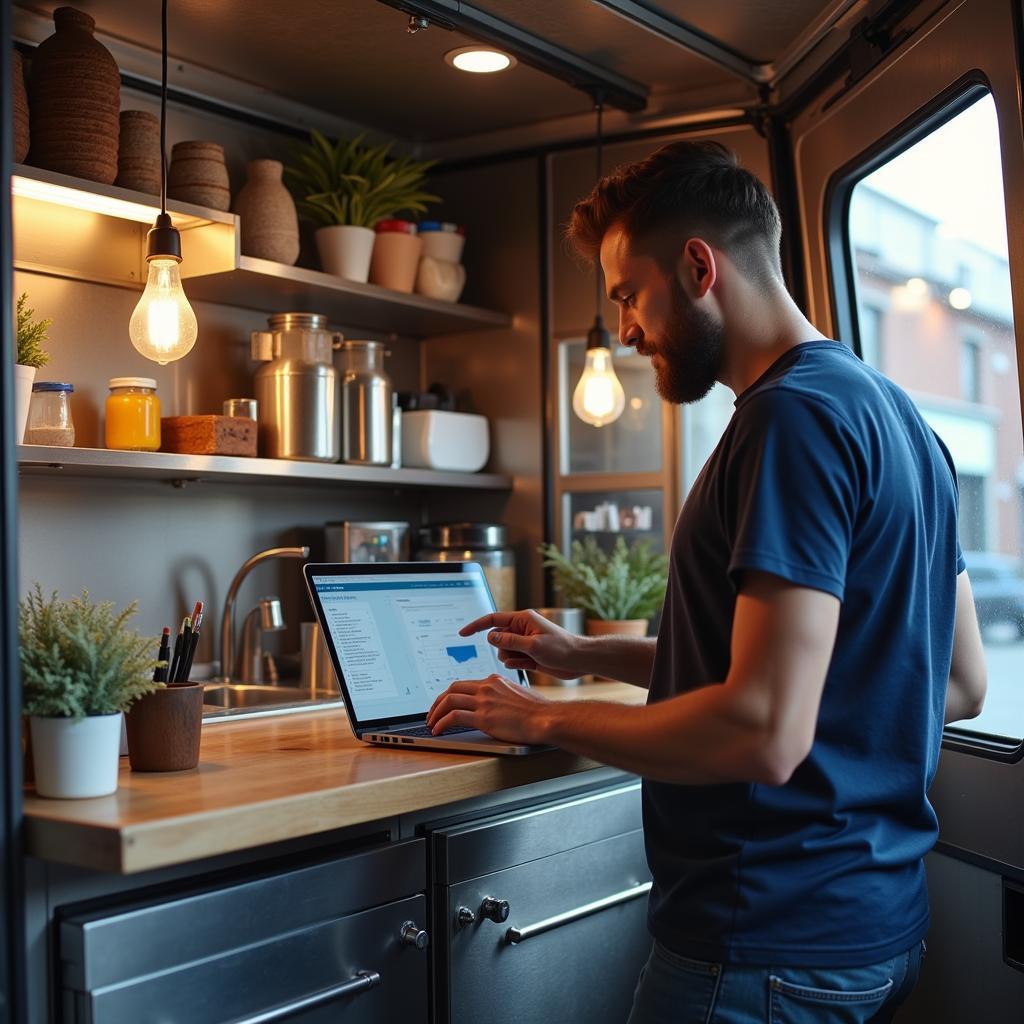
598,275
163,112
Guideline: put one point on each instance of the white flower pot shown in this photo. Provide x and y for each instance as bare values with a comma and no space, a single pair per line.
76,759
24,377
346,251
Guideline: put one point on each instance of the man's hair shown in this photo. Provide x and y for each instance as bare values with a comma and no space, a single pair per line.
682,190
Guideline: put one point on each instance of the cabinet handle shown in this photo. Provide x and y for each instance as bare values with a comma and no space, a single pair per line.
516,935
360,983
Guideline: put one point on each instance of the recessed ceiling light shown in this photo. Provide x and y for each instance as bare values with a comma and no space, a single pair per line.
479,60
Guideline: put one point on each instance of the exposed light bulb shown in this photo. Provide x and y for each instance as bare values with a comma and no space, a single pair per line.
163,327
598,398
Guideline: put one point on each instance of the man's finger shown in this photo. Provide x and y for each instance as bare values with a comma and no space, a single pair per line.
451,702
452,719
511,641
487,622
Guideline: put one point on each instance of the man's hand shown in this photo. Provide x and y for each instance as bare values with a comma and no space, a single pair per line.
494,705
529,641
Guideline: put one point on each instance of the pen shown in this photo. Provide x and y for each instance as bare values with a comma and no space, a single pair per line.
176,657
194,643
160,672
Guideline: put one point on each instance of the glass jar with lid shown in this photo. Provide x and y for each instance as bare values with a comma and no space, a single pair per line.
132,415
49,415
486,543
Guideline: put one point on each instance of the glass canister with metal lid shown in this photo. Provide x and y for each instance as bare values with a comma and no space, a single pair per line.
297,390
486,543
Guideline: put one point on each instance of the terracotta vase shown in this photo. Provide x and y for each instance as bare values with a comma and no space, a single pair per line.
138,152
199,175
75,91
19,104
270,225
396,255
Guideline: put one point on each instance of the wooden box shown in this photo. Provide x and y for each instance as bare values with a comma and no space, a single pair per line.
208,435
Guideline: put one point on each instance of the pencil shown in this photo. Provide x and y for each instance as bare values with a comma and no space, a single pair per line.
172,673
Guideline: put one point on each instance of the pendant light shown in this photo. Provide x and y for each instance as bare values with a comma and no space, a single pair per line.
598,398
163,327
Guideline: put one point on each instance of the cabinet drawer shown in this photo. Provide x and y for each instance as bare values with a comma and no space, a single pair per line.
328,934
111,945
489,844
353,969
573,944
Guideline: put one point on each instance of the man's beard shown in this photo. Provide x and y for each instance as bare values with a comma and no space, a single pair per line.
691,351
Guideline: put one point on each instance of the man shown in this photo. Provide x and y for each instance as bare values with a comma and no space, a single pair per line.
818,629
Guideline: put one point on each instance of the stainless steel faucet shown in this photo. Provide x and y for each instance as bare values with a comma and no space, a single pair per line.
266,617
227,624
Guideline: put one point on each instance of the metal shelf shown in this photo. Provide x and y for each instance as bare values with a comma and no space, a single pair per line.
74,228
275,287
178,469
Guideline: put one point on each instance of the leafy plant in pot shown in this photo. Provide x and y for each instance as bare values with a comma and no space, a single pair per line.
346,187
31,334
80,668
619,591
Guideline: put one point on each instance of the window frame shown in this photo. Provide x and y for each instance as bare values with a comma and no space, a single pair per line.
842,294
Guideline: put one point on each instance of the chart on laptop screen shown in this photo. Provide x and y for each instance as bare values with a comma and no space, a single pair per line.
397,637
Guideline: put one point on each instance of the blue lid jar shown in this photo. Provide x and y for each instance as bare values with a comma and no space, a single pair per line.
53,385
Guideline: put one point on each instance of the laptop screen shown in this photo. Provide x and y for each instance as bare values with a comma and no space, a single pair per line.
396,636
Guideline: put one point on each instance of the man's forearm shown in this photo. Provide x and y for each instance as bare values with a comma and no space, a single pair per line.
694,739
626,658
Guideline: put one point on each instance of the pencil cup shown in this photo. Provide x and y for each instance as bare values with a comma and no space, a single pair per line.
164,729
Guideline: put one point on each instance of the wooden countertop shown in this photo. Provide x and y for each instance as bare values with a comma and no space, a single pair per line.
269,779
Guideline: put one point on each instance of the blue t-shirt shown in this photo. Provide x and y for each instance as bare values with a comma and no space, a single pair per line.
828,477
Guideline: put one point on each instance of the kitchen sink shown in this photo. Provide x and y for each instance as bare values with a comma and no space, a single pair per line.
221,700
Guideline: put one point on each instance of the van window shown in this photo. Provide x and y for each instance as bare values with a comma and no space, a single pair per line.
928,246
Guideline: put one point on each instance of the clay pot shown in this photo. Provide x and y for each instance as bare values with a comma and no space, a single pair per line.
165,728
199,175
270,226
138,152
19,104
75,91
396,255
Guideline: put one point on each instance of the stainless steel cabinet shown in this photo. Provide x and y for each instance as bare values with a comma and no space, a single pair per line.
541,915
341,940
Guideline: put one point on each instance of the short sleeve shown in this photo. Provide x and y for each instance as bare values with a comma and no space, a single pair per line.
793,480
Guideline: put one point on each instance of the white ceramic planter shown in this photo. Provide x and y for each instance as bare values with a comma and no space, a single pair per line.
76,759
24,377
346,251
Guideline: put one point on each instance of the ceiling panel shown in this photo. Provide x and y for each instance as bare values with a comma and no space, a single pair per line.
354,58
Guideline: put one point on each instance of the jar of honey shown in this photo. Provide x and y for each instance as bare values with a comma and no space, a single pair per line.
133,415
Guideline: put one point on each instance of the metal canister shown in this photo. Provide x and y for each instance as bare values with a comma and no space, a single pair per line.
366,405
297,390
486,543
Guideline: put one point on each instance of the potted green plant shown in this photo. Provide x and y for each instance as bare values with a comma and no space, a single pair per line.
346,187
31,334
619,591
80,668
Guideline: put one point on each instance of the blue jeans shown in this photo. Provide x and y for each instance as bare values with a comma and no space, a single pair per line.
676,990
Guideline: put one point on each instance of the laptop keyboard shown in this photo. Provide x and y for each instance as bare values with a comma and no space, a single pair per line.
424,730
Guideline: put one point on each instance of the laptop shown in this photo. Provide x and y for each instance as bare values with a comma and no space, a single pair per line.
392,631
